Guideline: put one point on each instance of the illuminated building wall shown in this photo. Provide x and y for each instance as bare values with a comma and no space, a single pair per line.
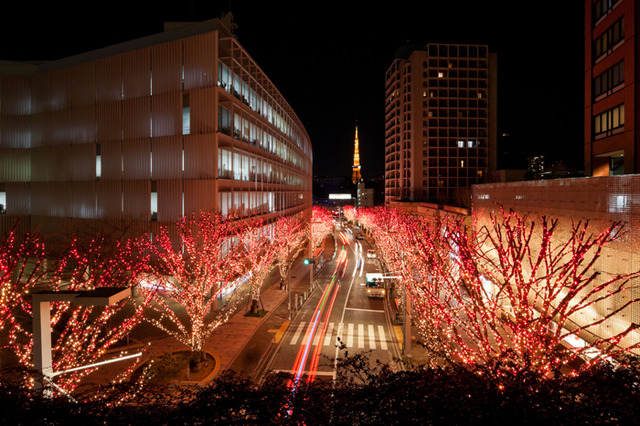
439,123
601,201
142,133
611,145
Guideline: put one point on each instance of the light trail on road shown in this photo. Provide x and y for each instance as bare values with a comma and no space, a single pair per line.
326,301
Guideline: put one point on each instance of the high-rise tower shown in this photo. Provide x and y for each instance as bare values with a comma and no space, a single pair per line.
612,139
440,123
356,160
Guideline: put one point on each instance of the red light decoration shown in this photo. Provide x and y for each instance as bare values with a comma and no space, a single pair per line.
511,289
288,234
189,276
81,335
321,225
259,254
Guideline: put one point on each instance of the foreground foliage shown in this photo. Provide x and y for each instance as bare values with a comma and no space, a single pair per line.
360,396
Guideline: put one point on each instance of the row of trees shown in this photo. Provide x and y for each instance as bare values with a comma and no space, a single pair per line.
511,290
178,276
425,396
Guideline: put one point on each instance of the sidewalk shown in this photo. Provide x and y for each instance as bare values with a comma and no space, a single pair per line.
233,344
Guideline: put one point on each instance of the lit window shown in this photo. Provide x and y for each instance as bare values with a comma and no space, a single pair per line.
470,144
460,144
440,74
618,203
3,202
186,115
154,202
98,163
461,163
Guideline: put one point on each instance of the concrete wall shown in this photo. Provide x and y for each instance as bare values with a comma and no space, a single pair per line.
601,201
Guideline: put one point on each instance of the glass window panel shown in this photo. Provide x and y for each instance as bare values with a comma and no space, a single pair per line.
3,202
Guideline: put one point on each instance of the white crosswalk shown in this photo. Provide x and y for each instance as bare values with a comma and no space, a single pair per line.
369,337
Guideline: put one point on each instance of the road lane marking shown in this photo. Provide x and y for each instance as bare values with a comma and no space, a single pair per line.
307,335
316,338
327,337
364,310
280,332
317,373
296,336
339,334
383,338
372,337
346,332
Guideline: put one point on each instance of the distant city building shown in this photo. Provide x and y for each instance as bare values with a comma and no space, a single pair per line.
355,178
440,123
333,191
612,141
145,132
365,195
535,164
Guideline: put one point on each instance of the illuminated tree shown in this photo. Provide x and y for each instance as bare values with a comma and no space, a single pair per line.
21,268
321,225
514,290
288,233
350,213
81,335
510,292
388,229
259,253
190,276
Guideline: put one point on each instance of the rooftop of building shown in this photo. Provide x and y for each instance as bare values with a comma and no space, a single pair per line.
172,31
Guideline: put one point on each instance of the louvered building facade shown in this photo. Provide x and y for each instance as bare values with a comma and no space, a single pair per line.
142,133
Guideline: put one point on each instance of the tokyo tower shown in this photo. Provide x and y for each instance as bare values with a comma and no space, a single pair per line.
356,161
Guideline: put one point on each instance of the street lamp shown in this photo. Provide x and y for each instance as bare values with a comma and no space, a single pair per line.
41,307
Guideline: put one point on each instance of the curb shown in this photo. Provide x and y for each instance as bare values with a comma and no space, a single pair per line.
207,379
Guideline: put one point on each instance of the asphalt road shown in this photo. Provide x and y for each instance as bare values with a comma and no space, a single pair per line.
338,311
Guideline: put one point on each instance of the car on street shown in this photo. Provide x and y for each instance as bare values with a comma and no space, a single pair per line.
371,254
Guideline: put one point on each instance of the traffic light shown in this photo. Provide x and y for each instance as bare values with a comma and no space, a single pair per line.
308,261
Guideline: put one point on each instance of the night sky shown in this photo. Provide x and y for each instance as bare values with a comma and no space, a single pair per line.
329,59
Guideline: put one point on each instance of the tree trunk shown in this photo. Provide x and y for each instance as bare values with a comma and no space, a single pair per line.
255,306
195,364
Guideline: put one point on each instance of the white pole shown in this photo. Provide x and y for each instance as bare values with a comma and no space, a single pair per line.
42,337
407,323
